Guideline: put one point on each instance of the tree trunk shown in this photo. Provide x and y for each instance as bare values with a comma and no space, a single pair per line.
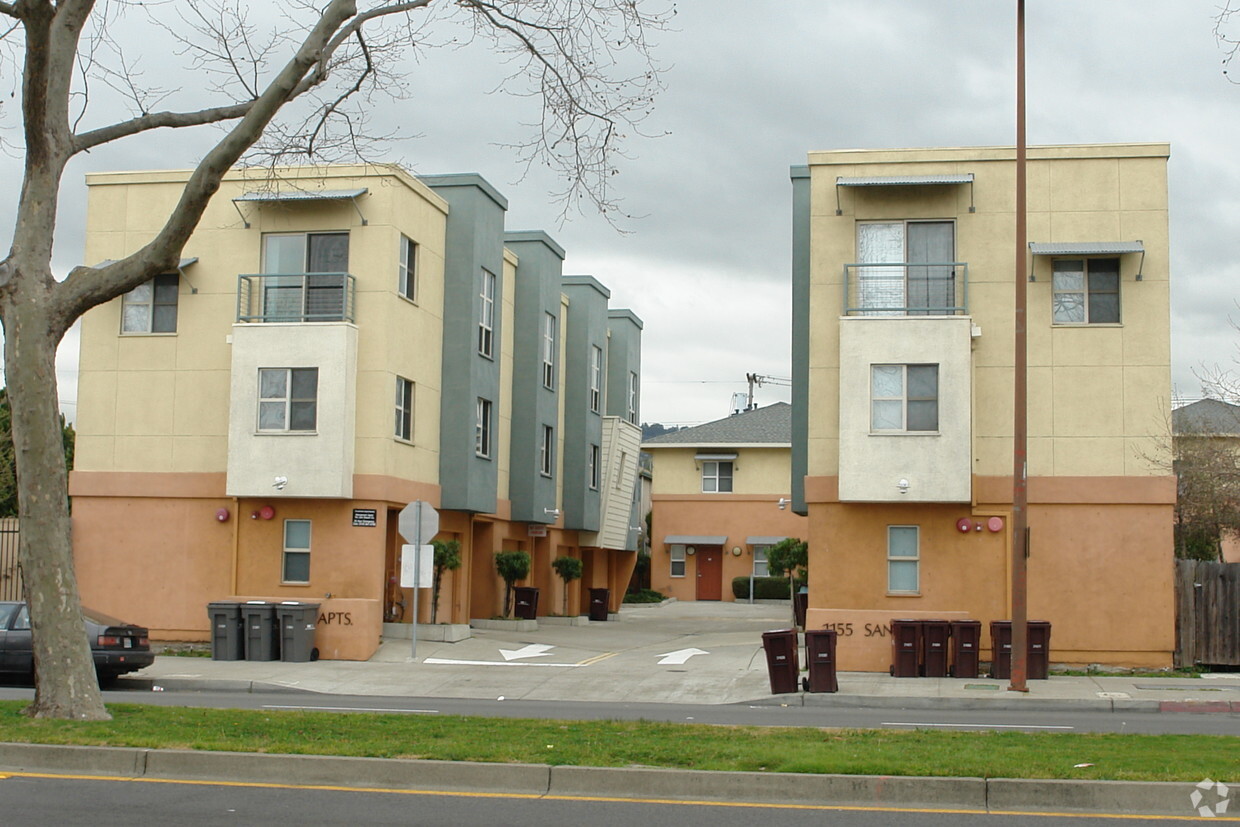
66,685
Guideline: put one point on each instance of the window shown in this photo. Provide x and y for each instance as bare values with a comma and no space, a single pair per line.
594,467
151,307
904,398
903,560
296,551
407,277
546,454
760,568
1085,291
548,351
291,290
596,378
482,429
678,560
913,273
486,314
716,476
632,415
404,408
287,399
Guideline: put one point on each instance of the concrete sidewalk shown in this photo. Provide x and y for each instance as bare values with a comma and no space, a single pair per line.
702,653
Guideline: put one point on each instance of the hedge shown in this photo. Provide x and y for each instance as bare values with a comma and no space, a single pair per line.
764,588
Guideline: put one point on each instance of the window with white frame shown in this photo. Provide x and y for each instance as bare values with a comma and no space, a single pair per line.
904,398
482,429
632,414
547,452
1085,291
596,378
594,467
151,307
760,567
678,560
296,564
486,314
548,351
903,559
716,476
288,399
407,274
404,408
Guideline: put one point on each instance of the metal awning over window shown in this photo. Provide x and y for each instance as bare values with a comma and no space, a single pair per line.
715,457
1090,248
694,540
950,179
302,196
764,541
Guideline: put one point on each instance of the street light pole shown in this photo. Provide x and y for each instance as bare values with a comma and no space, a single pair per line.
1020,428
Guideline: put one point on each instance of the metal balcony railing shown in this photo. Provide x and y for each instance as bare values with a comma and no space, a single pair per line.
295,297
904,289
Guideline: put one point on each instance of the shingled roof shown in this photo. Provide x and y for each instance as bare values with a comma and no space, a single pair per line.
1207,416
769,425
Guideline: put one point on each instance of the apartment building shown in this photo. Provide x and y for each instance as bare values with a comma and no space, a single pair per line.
903,349
339,342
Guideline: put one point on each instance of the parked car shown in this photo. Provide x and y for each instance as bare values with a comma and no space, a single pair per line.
118,647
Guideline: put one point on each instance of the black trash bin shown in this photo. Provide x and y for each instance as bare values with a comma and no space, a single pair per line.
966,643
905,648
781,660
800,603
262,641
526,600
934,648
297,624
599,600
227,630
820,657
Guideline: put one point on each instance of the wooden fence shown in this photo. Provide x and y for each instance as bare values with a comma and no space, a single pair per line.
1207,623
10,573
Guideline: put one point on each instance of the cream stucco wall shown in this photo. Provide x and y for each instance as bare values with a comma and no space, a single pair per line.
757,469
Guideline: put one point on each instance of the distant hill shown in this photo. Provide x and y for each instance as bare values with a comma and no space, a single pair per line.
650,430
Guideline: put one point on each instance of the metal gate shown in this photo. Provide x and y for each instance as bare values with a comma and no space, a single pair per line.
10,573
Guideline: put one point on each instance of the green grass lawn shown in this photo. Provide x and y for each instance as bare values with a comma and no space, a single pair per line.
646,744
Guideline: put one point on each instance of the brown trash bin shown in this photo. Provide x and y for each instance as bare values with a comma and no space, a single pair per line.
820,658
966,643
934,648
525,599
1037,649
800,604
781,660
599,599
1001,649
905,648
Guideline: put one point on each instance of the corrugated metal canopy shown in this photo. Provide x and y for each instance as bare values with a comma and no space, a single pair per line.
303,195
764,541
715,456
694,540
1086,248
903,180
181,265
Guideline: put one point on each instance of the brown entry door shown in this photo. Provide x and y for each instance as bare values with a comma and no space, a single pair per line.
710,573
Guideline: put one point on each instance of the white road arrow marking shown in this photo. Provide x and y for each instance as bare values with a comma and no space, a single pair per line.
533,650
679,656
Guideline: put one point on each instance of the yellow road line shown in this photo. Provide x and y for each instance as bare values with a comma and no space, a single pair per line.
596,658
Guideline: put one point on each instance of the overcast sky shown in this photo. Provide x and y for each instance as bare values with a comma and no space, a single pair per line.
750,89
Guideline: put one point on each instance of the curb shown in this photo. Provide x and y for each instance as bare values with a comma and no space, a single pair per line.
207,685
828,699
896,792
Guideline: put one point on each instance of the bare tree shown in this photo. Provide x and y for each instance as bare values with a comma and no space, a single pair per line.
298,89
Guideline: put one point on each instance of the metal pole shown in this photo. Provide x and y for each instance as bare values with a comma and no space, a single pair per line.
417,572
1020,432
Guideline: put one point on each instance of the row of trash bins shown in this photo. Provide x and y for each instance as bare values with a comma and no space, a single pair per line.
258,630
920,648
525,600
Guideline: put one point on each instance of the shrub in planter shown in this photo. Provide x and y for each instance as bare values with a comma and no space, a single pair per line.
764,588
644,596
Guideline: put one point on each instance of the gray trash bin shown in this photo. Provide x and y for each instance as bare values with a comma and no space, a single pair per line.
297,622
227,630
262,642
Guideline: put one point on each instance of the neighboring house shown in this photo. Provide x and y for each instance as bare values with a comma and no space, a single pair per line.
719,500
1207,438
338,342
903,366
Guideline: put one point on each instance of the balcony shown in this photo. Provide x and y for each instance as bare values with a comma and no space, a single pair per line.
904,288
295,297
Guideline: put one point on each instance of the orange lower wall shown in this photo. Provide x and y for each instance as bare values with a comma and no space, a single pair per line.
1101,573
735,516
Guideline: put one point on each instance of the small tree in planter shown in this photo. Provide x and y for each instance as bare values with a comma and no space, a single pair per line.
447,558
511,566
569,569
789,556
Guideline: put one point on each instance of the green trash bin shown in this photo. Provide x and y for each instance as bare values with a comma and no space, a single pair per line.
297,623
227,630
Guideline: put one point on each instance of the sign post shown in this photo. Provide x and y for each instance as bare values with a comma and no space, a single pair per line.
418,523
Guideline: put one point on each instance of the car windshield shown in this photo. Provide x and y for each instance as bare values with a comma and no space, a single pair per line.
102,619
